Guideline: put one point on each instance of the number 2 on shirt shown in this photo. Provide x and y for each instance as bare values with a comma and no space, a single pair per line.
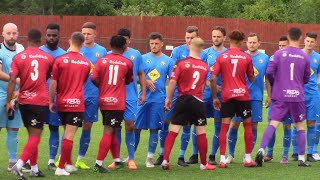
195,75
235,63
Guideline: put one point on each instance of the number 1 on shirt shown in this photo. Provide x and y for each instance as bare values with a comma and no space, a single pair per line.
235,63
291,71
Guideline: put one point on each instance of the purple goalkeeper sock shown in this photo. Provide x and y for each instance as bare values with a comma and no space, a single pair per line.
267,135
301,141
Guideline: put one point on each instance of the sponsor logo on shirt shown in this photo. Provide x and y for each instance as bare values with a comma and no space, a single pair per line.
296,56
37,56
79,62
118,62
148,61
72,101
154,74
238,92
199,67
291,93
238,56
110,99
27,94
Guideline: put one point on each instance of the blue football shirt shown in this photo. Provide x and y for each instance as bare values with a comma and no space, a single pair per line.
311,88
260,63
136,58
211,54
157,69
92,54
6,56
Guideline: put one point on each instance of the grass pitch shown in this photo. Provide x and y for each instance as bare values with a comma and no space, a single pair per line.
270,170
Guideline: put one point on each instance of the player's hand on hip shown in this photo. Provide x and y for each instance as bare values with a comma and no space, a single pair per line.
168,104
52,107
268,102
142,100
216,104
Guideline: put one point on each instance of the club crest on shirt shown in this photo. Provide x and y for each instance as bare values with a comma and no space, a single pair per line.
256,72
23,56
104,61
261,61
225,56
163,63
154,75
65,60
211,68
132,58
314,60
284,54
97,54
187,65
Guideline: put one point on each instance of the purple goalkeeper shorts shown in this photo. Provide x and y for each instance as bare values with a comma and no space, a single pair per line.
279,110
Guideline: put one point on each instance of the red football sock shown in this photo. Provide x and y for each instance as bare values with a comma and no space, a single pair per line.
30,148
248,136
104,146
66,150
34,158
114,147
223,138
168,144
203,147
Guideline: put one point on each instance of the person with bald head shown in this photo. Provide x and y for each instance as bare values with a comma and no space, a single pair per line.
8,49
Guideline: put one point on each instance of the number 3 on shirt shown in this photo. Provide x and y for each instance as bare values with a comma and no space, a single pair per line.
34,75
235,63
195,75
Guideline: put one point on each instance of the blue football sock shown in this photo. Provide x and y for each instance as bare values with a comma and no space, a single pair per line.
286,142
311,135
316,141
184,140
118,133
84,142
130,140
53,143
215,138
153,141
255,134
294,140
162,135
271,145
12,144
136,139
194,142
232,140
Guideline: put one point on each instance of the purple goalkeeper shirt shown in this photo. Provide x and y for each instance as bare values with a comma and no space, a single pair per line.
288,72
